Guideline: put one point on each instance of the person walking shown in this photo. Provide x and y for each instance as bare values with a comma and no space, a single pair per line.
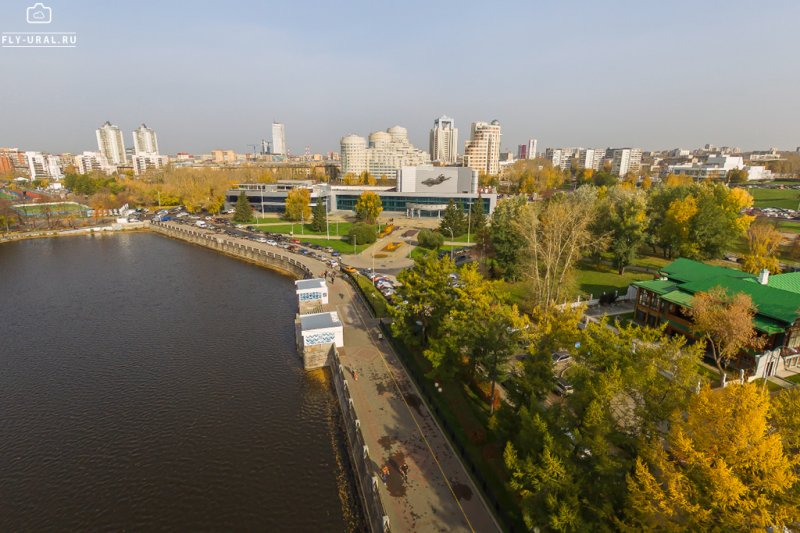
404,470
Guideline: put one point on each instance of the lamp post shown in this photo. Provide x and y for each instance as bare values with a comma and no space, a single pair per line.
469,221
452,238
327,226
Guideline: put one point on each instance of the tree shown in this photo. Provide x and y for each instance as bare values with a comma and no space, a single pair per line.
320,216
454,221
725,321
555,236
362,233
736,175
783,416
368,207
477,218
426,297
7,214
431,240
722,468
505,241
534,176
298,204
367,179
677,180
623,217
763,245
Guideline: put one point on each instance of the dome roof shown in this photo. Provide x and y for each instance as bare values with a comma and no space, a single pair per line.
379,137
398,133
495,122
353,139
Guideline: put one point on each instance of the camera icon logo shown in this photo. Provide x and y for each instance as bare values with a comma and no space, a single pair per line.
39,13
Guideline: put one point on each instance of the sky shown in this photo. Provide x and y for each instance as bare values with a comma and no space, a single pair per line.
208,75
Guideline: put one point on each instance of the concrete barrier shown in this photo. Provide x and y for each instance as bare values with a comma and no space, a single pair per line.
259,256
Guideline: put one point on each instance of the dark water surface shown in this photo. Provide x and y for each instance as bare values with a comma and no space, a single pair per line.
146,384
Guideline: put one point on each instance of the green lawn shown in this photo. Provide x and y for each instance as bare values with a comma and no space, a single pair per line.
595,280
785,198
418,252
303,229
772,387
789,226
794,379
337,243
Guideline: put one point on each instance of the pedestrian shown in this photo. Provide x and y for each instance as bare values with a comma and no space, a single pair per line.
404,470
355,374
385,473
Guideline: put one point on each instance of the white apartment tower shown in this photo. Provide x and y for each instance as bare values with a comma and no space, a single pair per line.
444,141
387,152
111,144
145,141
626,160
278,138
482,151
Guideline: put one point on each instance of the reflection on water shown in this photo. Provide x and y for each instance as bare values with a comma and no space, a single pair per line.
148,384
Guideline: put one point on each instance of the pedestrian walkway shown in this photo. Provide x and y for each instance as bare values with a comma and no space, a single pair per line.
398,429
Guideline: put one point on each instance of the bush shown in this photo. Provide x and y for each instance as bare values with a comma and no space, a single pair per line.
362,233
430,239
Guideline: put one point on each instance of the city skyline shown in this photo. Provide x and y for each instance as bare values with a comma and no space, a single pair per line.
659,78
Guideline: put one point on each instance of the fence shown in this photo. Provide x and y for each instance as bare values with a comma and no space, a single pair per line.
259,256
363,467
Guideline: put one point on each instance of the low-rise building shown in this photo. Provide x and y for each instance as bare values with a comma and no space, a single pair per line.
668,299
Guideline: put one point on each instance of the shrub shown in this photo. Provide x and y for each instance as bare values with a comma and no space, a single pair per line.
430,239
361,233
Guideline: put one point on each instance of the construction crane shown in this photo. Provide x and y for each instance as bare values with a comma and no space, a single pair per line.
255,149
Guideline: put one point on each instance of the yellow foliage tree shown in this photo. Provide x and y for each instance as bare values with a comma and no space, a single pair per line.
763,243
722,468
369,207
677,180
298,204
677,224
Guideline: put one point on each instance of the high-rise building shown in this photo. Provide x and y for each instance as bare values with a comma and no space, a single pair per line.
93,161
111,144
387,152
626,160
527,151
482,151
278,139
145,161
43,166
145,141
444,141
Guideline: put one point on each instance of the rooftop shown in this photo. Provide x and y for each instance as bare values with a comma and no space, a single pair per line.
310,284
320,321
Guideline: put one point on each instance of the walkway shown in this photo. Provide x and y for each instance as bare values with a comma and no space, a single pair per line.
398,428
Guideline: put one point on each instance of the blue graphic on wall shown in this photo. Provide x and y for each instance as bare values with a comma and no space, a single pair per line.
326,337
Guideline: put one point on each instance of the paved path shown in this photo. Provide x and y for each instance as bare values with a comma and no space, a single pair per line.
397,426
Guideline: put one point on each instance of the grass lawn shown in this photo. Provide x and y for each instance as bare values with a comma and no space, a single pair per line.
624,319
300,229
418,252
789,226
785,198
595,280
376,299
794,379
772,387
337,243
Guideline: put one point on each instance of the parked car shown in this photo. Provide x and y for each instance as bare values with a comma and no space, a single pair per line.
561,356
562,388
271,242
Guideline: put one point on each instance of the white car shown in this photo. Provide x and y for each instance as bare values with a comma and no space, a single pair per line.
271,242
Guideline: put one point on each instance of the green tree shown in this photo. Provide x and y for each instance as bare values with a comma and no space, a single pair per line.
369,207
298,203
454,221
362,233
736,175
426,297
623,217
319,216
244,211
506,243
431,240
477,217
722,468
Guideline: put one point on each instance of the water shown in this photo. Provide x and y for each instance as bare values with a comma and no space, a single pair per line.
149,384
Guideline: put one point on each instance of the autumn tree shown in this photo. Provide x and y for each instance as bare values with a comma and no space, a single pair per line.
763,245
725,321
555,236
368,207
529,176
320,216
736,175
505,241
722,468
678,180
298,204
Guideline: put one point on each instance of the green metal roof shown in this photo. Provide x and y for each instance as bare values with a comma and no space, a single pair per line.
787,282
687,270
768,326
659,286
678,297
770,302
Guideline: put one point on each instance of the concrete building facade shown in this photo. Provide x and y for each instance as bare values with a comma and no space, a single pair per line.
482,151
444,141
111,144
387,152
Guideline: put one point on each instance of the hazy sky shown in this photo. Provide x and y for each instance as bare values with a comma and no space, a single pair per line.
210,75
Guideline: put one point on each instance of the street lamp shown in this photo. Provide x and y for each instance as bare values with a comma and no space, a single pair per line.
469,221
